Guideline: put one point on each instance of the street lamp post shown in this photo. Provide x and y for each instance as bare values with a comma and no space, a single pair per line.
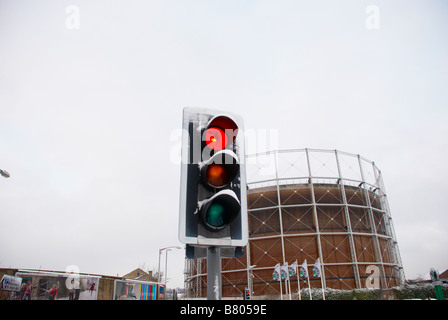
4,173
166,263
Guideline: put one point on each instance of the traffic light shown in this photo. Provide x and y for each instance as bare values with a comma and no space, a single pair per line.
246,294
213,204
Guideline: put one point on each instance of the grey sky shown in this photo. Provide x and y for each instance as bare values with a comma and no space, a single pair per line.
89,115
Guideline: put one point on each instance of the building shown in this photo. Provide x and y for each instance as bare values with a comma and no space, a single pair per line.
307,205
444,276
139,274
136,285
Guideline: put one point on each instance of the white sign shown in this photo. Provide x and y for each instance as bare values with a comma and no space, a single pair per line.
10,283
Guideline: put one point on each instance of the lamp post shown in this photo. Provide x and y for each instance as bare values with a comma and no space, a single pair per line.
166,263
4,173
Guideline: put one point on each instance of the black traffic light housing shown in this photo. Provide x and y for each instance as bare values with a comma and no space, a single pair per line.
246,294
213,204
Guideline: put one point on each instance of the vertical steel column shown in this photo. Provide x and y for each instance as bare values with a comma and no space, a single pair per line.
186,272
379,256
248,269
349,225
391,230
198,278
279,213
187,275
250,283
316,221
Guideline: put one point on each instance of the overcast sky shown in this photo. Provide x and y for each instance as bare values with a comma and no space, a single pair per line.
91,99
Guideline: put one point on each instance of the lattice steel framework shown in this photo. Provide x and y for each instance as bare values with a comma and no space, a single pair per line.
309,204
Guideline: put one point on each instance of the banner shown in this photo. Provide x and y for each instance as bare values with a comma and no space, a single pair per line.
316,269
10,283
135,290
276,273
292,269
284,271
47,285
303,269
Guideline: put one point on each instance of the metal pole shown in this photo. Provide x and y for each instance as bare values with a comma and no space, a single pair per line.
316,222
158,268
282,241
349,224
158,275
159,278
249,270
214,285
250,281
298,280
289,286
376,243
4,173
166,271
281,287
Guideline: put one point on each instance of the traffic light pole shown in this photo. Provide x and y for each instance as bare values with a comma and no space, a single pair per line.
214,284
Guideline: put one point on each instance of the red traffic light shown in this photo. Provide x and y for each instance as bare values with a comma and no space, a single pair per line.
215,138
221,130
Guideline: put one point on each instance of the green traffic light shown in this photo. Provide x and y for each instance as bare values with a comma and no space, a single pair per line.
215,215
220,210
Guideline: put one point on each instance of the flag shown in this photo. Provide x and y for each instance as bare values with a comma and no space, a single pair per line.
292,269
284,271
316,269
276,273
303,270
